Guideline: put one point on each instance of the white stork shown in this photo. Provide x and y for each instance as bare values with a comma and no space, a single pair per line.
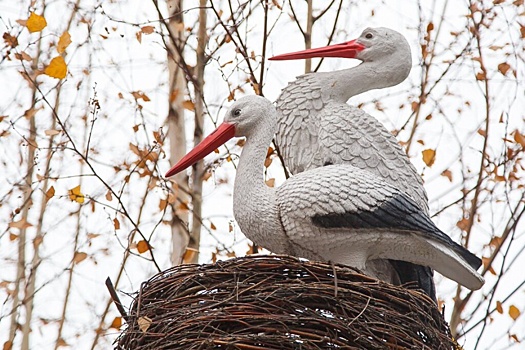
316,127
336,213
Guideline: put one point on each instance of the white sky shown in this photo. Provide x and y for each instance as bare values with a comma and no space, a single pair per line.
122,64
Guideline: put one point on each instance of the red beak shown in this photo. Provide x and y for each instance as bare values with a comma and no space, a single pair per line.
350,49
223,133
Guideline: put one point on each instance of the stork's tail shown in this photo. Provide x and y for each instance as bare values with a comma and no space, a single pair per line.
421,275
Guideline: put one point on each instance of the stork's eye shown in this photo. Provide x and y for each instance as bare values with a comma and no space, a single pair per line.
369,35
237,112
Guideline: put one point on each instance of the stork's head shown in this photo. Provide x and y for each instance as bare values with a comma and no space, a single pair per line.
381,46
248,113
245,117
372,45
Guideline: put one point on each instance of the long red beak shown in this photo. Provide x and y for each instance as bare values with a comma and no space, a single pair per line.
350,49
223,133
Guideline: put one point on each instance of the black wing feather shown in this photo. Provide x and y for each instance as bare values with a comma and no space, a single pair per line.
397,213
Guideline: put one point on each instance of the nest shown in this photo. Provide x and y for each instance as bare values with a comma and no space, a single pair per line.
279,302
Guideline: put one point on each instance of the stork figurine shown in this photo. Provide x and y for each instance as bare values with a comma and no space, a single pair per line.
336,213
316,127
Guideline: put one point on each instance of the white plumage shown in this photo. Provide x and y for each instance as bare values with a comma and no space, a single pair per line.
336,213
316,127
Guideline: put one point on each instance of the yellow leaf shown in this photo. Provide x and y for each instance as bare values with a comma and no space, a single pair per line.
35,23
63,42
142,246
190,106
429,156
12,237
212,226
117,323
514,312
50,193
76,195
109,197
144,322
57,68
270,182
116,223
499,307
79,257
21,224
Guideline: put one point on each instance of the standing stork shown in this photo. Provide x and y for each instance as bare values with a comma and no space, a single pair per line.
336,213
316,127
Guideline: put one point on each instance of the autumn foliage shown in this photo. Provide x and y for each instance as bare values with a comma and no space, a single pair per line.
97,96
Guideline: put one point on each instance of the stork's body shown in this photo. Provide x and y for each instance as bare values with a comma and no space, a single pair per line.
335,213
316,127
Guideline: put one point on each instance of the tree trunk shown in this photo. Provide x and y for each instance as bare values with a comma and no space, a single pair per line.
177,129
198,170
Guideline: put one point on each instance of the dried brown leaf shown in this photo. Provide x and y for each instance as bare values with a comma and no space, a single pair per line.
20,224
448,174
499,307
52,132
10,40
79,257
144,322
189,254
117,323
143,246
63,42
519,138
50,193
463,224
147,29
503,68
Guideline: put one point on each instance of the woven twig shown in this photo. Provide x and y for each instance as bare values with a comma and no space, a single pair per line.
279,302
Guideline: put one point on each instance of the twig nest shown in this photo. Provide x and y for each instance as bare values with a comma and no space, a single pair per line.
279,302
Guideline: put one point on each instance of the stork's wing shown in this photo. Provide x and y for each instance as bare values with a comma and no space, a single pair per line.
351,136
296,136
343,199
